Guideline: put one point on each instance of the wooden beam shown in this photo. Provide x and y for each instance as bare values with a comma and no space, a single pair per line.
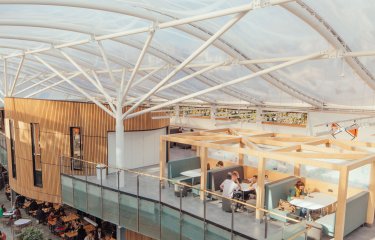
226,141
268,141
162,157
371,202
354,143
287,149
361,162
341,203
327,149
344,156
241,155
203,153
272,155
317,142
264,135
249,144
260,188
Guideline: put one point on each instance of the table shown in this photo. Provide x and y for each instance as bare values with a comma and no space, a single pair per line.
314,201
192,173
22,222
27,204
8,214
70,218
46,210
89,228
245,187
71,234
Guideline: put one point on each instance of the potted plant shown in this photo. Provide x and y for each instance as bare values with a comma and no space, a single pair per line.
31,233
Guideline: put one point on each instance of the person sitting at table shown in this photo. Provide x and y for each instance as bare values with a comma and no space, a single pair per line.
40,216
239,180
298,191
51,217
7,192
89,236
81,232
33,206
17,213
3,236
99,234
228,179
3,208
219,164
231,188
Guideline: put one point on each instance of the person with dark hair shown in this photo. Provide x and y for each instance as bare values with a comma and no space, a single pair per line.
40,216
81,233
298,191
17,213
219,164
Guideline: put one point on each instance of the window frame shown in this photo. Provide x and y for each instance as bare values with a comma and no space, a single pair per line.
37,173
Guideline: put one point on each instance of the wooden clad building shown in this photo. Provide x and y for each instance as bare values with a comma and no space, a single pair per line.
50,123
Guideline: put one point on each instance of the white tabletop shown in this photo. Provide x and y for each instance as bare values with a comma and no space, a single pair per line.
21,222
314,201
245,187
7,214
192,173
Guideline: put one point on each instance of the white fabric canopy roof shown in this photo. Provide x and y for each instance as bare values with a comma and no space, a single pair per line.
272,30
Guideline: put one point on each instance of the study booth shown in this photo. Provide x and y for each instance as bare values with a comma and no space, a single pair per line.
336,174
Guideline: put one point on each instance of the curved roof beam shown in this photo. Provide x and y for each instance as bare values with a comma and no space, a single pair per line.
315,21
104,6
157,53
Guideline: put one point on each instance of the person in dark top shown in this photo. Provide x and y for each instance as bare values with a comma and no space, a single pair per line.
40,216
33,206
17,213
81,234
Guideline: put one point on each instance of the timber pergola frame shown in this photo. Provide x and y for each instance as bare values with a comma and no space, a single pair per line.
296,150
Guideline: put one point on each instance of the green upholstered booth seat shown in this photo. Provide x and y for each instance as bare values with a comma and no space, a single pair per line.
355,216
274,191
217,175
175,168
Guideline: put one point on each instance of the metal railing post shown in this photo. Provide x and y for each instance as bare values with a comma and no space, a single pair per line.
87,195
265,225
101,192
160,208
181,191
204,215
138,203
232,222
118,196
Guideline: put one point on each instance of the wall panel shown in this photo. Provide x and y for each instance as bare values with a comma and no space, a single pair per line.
55,119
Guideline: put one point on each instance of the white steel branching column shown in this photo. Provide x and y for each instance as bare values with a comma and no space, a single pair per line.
120,139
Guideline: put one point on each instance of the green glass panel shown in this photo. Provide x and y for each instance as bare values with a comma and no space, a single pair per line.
110,206
80,196
170,224
128,212
149,218
192,228
67,190
216,233
94,200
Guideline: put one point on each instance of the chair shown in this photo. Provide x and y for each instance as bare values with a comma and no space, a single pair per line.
226,205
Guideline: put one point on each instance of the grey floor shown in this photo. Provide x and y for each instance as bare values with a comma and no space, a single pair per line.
8,230
244,223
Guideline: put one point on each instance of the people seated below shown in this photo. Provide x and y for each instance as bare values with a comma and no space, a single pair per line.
40,215
298,191
20,200
99,234
81,232
3,236
219,164
231,187
51,216
33,206
89,236
7,192
17,213
3,208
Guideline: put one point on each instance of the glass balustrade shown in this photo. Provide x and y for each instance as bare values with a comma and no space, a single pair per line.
142,203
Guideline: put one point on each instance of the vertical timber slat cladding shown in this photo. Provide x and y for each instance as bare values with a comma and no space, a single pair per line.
55,119
135,236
